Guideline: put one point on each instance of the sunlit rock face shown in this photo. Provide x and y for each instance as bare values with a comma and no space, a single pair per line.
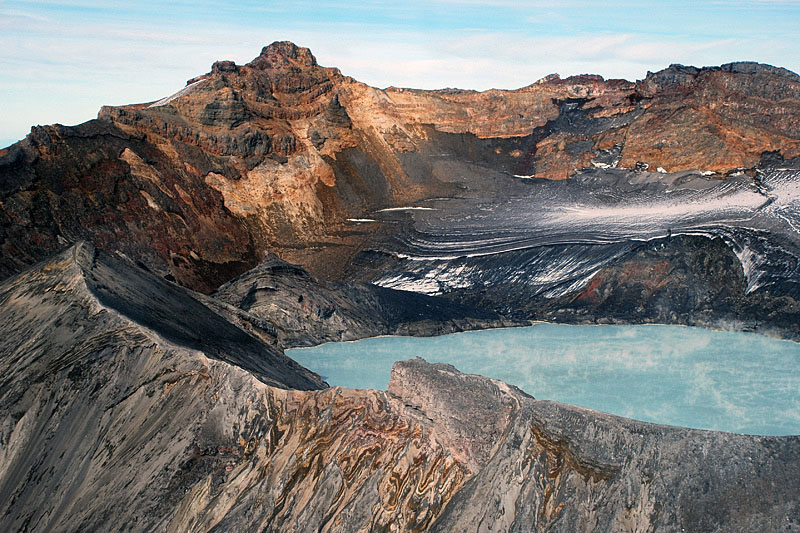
282,155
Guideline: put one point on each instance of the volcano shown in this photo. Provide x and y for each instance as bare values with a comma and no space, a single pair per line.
156,261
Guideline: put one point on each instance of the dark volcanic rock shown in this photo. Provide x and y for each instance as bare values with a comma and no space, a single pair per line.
307,311
107,293
681,280
98,183
686,280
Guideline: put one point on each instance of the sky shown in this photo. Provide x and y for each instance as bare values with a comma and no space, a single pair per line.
60,61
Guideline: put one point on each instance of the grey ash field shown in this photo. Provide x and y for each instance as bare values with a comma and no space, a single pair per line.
158,260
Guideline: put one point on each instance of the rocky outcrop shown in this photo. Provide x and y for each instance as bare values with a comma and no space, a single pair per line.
306,311
281,153
686,280
710,118
127,405
95,182
554,467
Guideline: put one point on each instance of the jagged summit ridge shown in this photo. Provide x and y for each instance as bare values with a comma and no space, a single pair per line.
284,53
278,55
288,54
736,67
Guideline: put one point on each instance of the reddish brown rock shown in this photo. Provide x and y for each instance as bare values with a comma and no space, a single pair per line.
277,154
718,119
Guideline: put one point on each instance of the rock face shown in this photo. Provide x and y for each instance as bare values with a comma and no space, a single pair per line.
278,154
96,182
687,280
554,467
308,311
128,406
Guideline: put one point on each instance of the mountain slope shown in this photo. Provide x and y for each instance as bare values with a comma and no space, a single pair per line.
129,403
110,424
307,311
279,154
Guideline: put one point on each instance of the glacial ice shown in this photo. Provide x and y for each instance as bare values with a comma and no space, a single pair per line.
560,233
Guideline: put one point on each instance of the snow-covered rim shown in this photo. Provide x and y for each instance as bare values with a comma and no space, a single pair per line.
183,92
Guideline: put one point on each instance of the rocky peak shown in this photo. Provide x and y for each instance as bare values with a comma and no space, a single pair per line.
283,54
683,76
751,67
470,426
296,149
674,75
549,78
222,66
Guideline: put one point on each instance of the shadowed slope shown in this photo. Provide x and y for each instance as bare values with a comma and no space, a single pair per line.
306,310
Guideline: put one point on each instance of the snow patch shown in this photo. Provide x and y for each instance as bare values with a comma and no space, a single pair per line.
183,92
751,261
389,209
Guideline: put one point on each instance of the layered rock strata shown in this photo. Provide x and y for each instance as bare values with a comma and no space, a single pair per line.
687,280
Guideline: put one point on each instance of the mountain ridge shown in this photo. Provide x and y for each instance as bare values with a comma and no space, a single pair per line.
278,154
128,402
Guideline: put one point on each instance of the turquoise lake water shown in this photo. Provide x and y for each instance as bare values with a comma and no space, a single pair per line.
739,382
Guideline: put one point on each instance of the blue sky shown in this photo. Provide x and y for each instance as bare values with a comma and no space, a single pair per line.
61,60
